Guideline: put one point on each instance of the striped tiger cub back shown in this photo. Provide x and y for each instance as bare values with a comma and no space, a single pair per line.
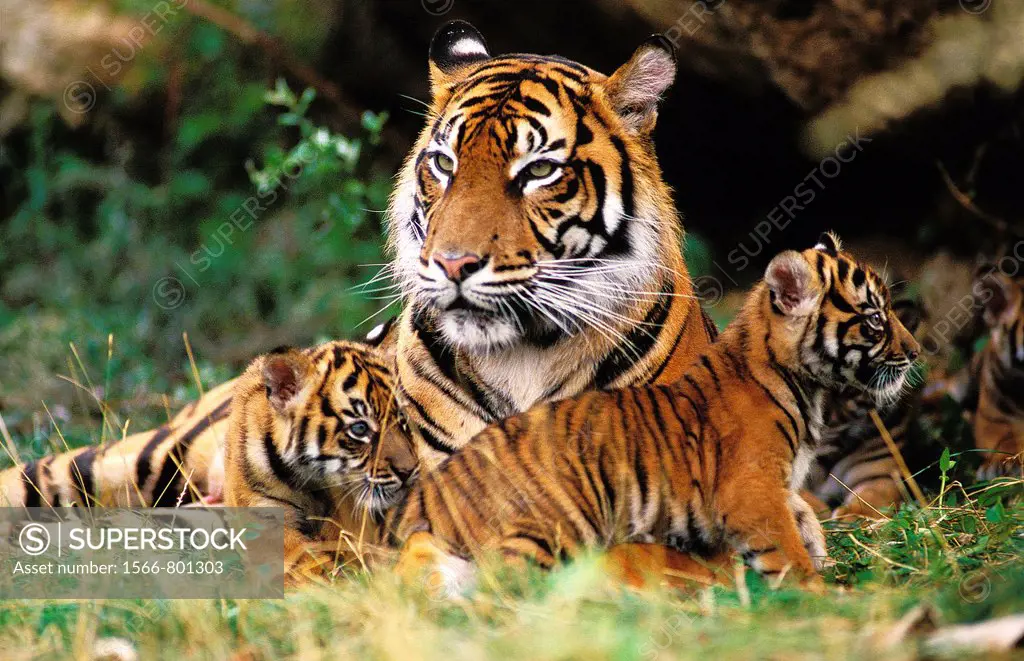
712,461
178,462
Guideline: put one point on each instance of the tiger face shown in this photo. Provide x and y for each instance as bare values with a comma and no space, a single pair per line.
837,316
337,424
532,200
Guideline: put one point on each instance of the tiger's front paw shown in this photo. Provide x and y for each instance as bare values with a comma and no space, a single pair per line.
424,562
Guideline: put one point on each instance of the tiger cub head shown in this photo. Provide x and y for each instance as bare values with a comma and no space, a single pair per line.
336,423
1003,313
831,318
533,198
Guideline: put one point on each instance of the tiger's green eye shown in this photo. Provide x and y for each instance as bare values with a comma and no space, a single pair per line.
874,320
540,169
444,163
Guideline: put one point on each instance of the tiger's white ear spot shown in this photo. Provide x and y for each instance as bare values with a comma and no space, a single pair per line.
455,46
829,243
791,281
379,333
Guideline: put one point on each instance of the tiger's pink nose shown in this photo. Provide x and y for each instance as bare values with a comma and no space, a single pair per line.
458,266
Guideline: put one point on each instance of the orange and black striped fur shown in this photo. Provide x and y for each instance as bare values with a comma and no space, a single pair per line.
535,239
177,463
317,432
999,418
713,461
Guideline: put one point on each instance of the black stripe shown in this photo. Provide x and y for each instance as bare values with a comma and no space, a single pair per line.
785,434
638,343
706,362
162,492
445,361
281,470
30,480
709,324
80,472
142,466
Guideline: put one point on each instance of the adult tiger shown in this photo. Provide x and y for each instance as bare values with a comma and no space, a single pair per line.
536,239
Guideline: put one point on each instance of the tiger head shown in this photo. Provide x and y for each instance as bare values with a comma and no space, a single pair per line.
831,318
533,200
336,423
1003,312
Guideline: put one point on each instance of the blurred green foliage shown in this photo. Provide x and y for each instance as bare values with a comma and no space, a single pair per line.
192,200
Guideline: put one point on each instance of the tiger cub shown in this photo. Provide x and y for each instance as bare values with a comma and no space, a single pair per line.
178,463
999,418
317,433
711,462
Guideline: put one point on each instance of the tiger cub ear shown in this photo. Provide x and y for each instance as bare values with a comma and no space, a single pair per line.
791,281
455,46
829,243
995,291
636,87
285,371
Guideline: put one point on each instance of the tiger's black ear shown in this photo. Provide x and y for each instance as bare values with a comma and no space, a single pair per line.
636,87
285,373
829,243
791,281
456,46
910,313
380,332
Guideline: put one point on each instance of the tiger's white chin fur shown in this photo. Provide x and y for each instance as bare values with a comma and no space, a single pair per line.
478,333
892,392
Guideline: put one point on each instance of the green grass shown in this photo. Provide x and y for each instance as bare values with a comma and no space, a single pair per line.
963,560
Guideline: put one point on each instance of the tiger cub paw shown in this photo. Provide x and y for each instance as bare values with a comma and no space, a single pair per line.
811,532
855,510
423,562
645,565
813,584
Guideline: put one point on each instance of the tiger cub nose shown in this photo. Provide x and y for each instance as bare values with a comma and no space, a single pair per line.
458,266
